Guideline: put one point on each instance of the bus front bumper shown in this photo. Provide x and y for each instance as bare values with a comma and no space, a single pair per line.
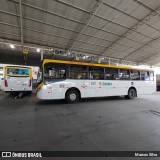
44,93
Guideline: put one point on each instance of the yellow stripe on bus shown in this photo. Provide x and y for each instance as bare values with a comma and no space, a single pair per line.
90,64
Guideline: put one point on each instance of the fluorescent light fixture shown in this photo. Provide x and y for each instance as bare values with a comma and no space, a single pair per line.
68,52
50,49
38,50
85,56
12,46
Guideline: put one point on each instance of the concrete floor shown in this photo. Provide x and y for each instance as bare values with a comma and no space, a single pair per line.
108,124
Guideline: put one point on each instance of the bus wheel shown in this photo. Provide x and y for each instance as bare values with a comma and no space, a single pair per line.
131,94
72,96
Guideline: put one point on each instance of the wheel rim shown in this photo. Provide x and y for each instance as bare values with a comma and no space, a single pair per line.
132,93
73,96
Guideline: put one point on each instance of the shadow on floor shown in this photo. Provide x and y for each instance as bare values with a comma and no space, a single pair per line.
84,100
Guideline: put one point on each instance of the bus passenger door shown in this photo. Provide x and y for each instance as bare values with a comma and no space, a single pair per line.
57,91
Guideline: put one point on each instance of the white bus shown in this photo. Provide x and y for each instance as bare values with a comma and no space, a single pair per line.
58,79
1,80
17,79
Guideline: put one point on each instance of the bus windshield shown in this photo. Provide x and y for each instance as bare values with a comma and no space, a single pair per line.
39,76
18,71
54,71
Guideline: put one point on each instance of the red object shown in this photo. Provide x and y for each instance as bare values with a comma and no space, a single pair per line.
5,83
30,83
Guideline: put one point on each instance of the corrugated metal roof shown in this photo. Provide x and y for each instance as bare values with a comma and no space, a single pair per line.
125,29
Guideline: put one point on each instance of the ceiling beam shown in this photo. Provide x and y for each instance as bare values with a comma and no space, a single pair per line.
34,46
27,44
146,44
144,5
54,35
21,21
101,17
35,7
129,15
121,11
21,29
85,24
144,21
34,20
97,28
72,6
76,21
153,58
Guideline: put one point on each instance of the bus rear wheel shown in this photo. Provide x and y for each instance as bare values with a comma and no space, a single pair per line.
131,94
72,96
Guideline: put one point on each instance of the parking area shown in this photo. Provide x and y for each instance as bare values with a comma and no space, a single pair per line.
92,124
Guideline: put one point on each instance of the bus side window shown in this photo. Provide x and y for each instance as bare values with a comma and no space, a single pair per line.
135,75
64,75
61,73
52,72
96,72
145,76
124,74
111,74
151,75
78,72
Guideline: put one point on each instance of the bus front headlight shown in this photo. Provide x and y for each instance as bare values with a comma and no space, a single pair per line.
44,87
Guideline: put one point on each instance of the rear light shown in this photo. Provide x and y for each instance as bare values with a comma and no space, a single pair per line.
30,83
5,83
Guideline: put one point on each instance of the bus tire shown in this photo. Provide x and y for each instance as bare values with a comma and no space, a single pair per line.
131,93
72,96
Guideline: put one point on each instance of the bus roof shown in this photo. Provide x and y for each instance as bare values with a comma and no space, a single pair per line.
90,64
16,67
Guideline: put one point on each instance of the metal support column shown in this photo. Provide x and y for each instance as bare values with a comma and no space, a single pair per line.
21,27
41,54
